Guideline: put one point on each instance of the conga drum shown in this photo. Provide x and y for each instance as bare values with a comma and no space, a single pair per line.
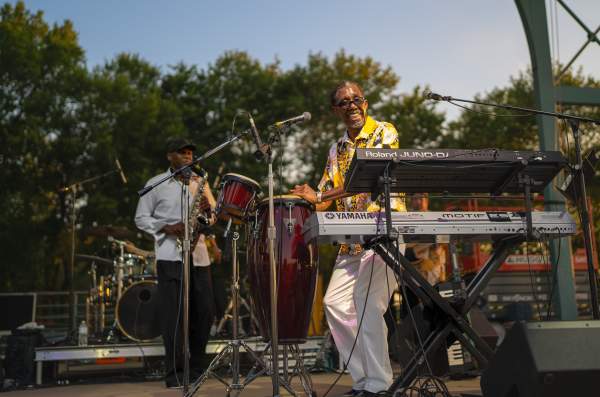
236,197
297,268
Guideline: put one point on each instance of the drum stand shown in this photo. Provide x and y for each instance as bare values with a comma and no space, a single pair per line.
287,376
277,380
230,355
228,315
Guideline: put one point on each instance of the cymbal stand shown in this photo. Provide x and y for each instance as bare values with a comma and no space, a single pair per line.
230,354
119,267
73,188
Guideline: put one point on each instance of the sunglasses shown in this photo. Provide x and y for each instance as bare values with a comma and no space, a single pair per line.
357,100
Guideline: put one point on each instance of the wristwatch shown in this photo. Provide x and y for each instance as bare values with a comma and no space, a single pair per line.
319,197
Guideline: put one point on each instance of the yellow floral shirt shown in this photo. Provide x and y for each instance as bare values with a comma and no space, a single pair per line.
374,134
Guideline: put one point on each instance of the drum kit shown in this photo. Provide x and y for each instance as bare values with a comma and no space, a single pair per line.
124,286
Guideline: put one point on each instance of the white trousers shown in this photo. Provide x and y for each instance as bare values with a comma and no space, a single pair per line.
345,301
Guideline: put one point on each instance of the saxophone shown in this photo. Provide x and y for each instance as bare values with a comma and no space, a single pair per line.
199,219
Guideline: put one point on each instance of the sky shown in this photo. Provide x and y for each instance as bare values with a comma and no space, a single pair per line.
458,48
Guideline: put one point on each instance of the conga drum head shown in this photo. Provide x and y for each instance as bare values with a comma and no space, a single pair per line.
236,197
285,199
242,179
137,311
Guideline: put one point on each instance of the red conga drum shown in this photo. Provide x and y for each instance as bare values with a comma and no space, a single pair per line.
297,267
236,197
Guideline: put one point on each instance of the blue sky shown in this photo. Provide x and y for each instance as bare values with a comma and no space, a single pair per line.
458,47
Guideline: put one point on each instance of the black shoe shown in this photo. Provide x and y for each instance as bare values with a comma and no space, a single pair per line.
351,393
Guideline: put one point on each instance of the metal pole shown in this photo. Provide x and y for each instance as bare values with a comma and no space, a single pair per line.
73,319
234,310
186,287
273,281
585,220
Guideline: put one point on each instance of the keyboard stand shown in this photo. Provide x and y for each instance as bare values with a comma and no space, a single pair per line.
452,313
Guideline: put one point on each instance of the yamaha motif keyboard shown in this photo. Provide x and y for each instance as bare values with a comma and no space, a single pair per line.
441,227
452,170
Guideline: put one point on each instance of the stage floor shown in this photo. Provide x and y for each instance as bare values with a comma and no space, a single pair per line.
261,387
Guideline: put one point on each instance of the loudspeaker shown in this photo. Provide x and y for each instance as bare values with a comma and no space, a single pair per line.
557,358
20,355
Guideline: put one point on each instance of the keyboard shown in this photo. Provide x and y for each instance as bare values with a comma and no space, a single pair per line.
434,227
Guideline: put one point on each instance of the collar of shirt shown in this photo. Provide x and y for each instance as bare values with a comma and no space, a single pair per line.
193,178
364,134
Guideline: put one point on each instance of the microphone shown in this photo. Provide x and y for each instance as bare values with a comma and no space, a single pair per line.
260,149
294,120
437,97
120,169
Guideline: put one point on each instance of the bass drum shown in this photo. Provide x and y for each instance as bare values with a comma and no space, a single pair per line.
137,311
297,268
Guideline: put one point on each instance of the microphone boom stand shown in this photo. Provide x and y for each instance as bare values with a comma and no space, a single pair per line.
73,188
581,201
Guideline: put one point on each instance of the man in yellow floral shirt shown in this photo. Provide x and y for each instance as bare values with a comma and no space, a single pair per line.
357,270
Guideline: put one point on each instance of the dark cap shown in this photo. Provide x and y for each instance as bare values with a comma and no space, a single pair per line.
176,143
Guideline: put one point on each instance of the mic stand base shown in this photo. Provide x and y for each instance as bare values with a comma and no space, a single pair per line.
230,354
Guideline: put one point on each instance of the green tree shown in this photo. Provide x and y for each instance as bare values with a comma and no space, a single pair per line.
41,78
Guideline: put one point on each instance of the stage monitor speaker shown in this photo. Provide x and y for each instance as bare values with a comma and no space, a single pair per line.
557,358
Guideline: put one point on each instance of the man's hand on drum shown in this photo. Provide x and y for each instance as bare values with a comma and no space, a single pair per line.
176,229
306,192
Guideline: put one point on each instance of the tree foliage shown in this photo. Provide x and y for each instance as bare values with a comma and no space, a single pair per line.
61,122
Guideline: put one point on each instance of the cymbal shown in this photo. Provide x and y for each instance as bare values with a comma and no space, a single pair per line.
93,258
120,232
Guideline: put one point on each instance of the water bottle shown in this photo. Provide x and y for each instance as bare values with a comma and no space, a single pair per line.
83,334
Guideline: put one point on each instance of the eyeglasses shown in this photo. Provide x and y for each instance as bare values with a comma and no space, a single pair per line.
357,100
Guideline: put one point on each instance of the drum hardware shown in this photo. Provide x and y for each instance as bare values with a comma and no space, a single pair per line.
105,231
99,290
290,221
230,354
228,316
73,189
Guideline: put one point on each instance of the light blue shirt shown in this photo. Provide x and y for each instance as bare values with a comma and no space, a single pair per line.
163,206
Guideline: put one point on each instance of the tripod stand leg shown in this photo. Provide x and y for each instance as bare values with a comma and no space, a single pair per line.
214,364
301,371
226,316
